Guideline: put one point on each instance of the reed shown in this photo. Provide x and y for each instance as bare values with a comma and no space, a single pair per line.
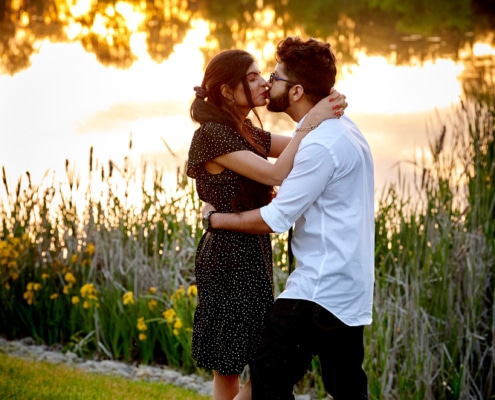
105,265
432,336
95,270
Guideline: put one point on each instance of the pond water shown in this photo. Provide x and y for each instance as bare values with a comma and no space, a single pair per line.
76,75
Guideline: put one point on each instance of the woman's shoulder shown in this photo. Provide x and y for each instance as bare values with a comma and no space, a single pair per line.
214,134
212,139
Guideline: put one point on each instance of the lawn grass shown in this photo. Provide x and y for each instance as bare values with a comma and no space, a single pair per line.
22,379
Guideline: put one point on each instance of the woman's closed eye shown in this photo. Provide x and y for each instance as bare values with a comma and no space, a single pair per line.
252,76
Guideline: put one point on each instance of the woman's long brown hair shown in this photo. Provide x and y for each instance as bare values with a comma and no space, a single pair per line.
230,67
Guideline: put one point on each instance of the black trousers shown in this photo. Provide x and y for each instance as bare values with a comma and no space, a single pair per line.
297,330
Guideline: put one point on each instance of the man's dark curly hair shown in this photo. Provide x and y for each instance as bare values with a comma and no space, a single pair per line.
309,63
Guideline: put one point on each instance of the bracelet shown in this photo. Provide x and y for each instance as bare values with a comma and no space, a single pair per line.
308,129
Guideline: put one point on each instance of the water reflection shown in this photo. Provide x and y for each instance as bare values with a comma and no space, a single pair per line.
408,30
79,73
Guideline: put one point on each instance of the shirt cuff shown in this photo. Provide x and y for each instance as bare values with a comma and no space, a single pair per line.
274,218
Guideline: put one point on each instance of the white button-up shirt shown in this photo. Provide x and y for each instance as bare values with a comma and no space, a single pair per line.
329,194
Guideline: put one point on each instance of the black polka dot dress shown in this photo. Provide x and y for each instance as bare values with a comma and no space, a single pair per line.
233,270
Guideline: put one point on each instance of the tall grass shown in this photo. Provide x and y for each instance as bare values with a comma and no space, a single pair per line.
432,336
106,267
91,268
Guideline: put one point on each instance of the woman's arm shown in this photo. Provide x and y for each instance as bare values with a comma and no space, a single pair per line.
252,166
332,106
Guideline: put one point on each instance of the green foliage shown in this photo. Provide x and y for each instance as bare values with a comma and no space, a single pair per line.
85,273
435,253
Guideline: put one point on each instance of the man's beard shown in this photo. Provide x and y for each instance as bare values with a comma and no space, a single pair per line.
279,103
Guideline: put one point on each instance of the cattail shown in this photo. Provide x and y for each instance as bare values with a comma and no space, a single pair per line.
440,141
4,179
423,177
91,159
18,188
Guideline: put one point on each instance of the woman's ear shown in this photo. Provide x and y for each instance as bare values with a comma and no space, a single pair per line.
226,92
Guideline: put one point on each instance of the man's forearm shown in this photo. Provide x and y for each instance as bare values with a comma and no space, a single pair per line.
248,221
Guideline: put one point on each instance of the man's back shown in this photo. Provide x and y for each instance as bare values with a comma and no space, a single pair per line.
330,195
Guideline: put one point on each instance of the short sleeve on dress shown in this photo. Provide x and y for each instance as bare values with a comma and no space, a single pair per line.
210,141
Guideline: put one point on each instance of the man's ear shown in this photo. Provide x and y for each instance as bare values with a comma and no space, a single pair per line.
297,91
226,92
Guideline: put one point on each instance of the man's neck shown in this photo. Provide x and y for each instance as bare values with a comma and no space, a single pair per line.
297,111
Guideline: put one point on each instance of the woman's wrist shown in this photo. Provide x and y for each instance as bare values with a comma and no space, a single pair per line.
307,127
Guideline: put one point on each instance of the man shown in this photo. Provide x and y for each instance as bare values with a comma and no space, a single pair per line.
329,194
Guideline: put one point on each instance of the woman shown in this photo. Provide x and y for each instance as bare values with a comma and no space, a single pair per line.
228,159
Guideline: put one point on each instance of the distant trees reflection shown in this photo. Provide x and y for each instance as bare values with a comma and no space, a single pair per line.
421,28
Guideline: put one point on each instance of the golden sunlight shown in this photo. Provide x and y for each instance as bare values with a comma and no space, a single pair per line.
80,7
99,25
483,49
132,17
378,86
90,104
262,41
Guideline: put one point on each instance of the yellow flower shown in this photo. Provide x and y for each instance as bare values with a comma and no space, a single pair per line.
73,259
141,325
14,275
152,304
37,286
29,296
89,291
90,294
6,286
169,315
176,332
178,324
192,291
152,290
45,276
67,288
142,336
75,300
54,296
90,249
179,293
128,298
69,277
29,286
